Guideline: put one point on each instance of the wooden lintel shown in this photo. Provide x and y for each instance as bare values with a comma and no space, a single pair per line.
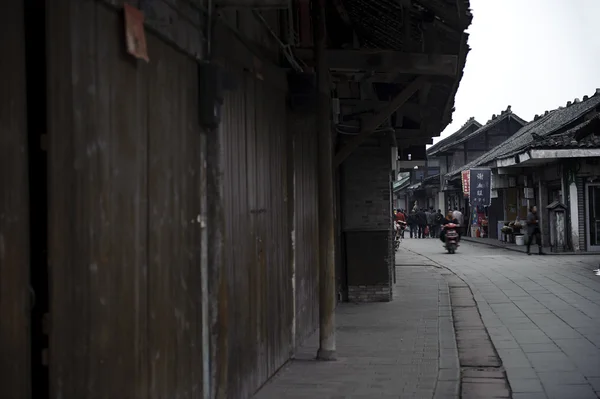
405,143
412,110
373,122
406,134
387,60
448,15
255,4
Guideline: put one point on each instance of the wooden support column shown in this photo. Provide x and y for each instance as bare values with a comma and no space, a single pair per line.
372,123
327,297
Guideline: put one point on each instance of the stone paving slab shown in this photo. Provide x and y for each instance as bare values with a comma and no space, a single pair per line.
402,349
542,314
522,248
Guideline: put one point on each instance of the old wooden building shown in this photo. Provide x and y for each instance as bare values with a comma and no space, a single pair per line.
166,207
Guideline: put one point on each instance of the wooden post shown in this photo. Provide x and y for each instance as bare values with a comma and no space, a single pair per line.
327,298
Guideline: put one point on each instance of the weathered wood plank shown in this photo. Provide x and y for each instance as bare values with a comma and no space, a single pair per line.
14,201
97,207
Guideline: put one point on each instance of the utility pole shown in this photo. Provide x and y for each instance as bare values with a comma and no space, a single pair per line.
327,298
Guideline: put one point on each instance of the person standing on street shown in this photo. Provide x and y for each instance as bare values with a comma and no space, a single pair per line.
438,220
429,215
412,224
422,222
533,230
431,222
401,218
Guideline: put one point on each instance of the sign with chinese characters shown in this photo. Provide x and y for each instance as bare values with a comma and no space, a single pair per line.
529,193
480,187
465,182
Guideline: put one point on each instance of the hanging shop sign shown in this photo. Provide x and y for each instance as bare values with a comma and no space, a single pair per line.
529,193
480,190
465,174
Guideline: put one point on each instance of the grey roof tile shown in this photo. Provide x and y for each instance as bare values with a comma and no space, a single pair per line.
490,124
545,126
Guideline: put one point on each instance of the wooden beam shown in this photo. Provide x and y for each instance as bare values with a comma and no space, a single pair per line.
412,110
405,143
376,120
387,60
405,134
254,4
449,15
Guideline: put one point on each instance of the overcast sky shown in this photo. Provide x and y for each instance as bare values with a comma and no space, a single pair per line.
532,54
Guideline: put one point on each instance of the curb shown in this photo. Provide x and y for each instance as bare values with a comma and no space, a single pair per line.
475,241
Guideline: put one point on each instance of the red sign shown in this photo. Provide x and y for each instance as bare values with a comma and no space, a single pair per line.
466,182
134,33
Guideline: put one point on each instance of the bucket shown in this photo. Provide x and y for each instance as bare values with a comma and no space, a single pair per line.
520,240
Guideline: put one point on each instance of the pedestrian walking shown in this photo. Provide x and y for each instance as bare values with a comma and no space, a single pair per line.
431,222
412,224
421,222
401,218
533,230
438,220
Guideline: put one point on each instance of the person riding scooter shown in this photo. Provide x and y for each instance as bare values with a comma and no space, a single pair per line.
447,220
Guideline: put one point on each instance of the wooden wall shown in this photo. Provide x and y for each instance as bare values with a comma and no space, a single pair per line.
124,199
126,183
257,233
306,226
14,203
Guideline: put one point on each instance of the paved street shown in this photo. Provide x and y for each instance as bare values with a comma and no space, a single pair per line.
402,349
542,313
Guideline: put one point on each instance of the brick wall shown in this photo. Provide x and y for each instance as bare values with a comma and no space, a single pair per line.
366,182
370,293
367,224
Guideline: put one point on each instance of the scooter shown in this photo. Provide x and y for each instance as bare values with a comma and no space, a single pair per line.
451,238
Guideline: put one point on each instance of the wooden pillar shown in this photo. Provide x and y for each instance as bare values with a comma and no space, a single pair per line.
327,297
543,213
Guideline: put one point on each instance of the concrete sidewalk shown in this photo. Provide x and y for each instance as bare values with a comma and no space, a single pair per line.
520,248
402,349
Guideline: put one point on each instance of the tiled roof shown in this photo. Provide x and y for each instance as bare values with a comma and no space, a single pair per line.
428,181
568,140
380,25
495,120
400,184
456,135
552,122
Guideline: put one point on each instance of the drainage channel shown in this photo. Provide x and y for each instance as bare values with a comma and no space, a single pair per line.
482,373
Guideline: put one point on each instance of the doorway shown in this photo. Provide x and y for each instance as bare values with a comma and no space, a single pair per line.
592,207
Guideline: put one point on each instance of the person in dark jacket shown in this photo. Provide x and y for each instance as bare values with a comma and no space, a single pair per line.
421,222
430,222
533,230
411,220
438,219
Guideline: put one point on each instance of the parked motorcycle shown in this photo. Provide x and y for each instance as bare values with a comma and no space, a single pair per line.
451,237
